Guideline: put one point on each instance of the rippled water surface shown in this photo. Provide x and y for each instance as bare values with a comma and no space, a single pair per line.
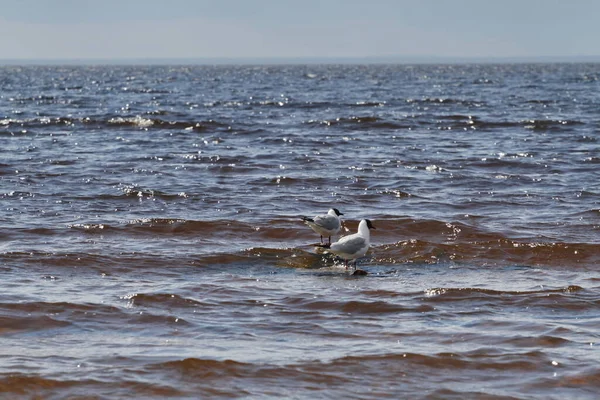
151,244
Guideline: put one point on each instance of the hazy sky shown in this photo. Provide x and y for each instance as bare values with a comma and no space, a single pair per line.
81,29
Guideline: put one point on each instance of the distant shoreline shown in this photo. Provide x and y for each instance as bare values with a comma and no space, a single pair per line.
305,60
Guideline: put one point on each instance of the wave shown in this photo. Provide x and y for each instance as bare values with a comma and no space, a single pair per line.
22,384
354,307
388,365
491,252
21,317
400,370
362,123
18,324
287,242
477,359
208,370
218,252
459,121
157,123
289,103
137,192
550,124
244,379
17,385
324,105
543,341
14,127
161,300
44,99
205,377
592,213
106,264
445,101
57,308
223,228
444,122
588,379
17,194
173,226
136,121
445,294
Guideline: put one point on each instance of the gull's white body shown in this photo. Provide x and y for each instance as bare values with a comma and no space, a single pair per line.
326,225
353,246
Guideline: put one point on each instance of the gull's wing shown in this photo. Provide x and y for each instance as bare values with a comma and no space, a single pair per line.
328,222
349,244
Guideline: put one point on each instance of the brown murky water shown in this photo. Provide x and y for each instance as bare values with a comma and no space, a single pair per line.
151,244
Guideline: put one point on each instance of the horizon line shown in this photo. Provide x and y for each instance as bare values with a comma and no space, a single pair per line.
300,60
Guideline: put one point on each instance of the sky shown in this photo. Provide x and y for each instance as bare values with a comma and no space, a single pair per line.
188,29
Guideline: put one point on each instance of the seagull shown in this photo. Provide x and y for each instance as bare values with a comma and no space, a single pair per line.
325,225
353,246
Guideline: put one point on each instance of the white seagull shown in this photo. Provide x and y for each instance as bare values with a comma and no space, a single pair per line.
325,225
353,246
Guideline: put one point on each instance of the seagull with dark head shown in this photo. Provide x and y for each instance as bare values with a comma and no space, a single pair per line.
353,246
325,225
